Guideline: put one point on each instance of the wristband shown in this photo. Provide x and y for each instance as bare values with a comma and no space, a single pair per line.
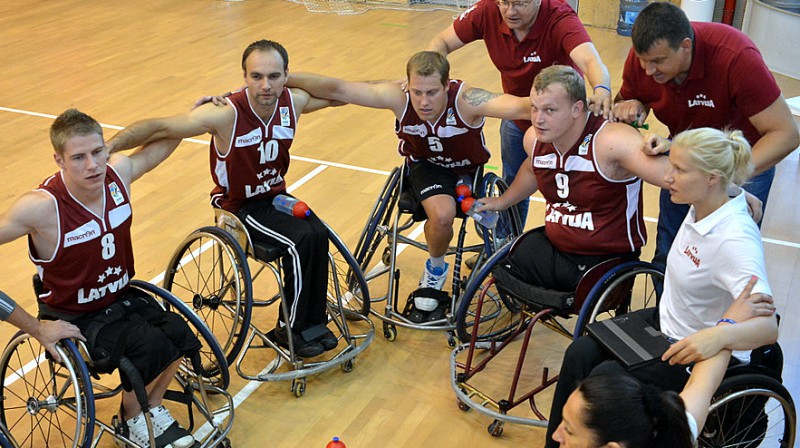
726,320
601,86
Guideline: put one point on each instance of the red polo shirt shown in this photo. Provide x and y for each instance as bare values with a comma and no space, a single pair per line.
728,82
554,34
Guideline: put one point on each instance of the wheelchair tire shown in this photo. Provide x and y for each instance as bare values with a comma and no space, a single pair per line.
209,273
380,216
624,288
750,410
499,313
46,403
348,282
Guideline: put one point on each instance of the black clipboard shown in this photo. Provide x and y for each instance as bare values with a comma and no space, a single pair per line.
631,340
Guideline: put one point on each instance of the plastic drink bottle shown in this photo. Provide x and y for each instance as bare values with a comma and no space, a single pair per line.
487,219
291,206
464,187
335,443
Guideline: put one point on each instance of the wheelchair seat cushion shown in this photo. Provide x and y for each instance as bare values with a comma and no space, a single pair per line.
266,252
536,297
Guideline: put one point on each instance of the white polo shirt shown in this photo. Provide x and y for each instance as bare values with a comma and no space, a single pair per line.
708,266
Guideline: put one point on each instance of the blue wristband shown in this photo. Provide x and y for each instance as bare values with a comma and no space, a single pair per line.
601,86
726,321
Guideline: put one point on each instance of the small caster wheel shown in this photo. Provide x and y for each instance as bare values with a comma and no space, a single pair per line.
463,406
496,428
347,366
386,258
225,443
389,332
299,387
451,341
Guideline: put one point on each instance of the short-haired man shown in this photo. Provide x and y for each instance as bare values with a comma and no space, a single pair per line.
439,122
249,149
523,37
695,75
590,173
78,226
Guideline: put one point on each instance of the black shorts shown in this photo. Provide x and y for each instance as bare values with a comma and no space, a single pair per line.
428,180
143,332
538,262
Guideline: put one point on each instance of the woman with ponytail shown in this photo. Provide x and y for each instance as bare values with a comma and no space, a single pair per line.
716,263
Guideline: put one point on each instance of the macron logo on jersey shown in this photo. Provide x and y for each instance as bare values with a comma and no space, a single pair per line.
249,139
701,100
416,129
82,234
547,161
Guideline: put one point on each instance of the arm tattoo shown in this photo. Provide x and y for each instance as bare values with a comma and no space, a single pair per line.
475,96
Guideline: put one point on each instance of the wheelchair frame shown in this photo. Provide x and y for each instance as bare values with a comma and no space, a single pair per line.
75,398
224,297
384,221
608,280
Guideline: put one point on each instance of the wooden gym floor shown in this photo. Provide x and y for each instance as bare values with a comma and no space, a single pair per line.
121,62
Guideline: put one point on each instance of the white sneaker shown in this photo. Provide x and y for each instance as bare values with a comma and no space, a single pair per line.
168,431
137,431
431,278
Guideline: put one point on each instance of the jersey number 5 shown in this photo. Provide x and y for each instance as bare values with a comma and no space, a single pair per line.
434,144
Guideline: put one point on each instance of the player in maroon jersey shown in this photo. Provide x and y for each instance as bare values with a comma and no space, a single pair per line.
439,122
249,156
78,228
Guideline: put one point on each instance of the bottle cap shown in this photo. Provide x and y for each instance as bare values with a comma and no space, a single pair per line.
301,210
466,204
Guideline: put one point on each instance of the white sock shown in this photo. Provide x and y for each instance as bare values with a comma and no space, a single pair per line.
437,262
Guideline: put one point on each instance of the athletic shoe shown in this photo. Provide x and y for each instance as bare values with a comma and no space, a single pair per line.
302,348
167,431
137,431
431,278
328,340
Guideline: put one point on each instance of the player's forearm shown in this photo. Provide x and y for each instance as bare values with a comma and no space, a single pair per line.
137,134
316,85
439,45
597,74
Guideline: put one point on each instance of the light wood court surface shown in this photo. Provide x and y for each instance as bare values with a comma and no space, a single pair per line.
124,61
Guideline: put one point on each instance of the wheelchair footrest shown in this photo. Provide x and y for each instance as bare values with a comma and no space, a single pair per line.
419,316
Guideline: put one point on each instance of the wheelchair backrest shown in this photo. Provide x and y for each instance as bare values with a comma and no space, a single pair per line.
230,223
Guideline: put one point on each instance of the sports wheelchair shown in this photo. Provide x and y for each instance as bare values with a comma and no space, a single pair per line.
210,272
497,307
53,404
751,407
395,212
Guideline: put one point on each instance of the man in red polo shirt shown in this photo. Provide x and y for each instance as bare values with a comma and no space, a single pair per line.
702,75
522,38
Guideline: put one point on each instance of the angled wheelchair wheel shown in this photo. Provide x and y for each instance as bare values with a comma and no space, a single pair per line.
628,286
209,273
214,364
44,403
346,280
750,410
499,313
374,232
509,225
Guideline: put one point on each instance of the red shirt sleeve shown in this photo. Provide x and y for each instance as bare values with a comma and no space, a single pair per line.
627,91
470,24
